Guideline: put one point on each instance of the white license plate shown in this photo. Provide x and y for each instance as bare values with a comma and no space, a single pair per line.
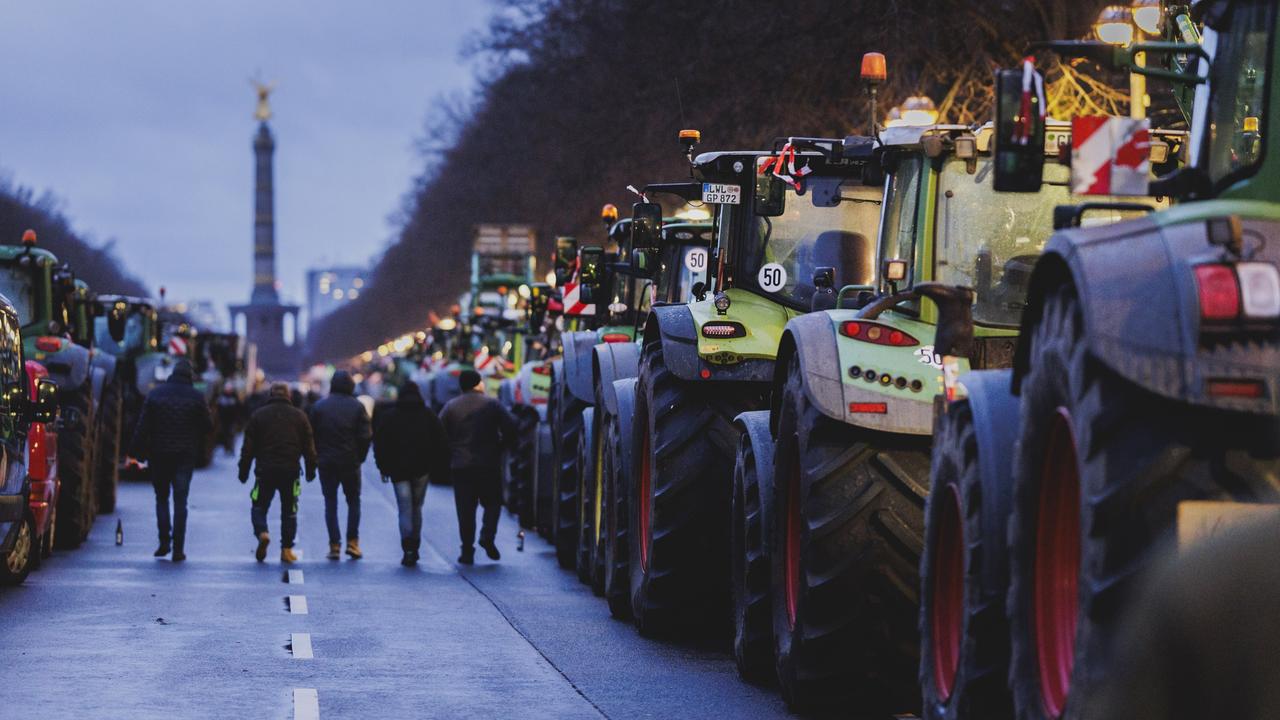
1204,519
723,194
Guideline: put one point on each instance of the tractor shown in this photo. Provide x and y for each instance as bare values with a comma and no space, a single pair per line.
43,293
1142,408
704,362
128,329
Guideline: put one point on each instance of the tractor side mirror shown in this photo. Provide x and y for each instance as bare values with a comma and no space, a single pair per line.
590,273
646,225
644,261
116,321
1019,140
771,195
824,291
566,255
45,407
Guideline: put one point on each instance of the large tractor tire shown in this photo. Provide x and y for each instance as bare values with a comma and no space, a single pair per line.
565,427
543,497
846,546
107,449
76,503
22,556
587,471
683,471
1100,469
752,613
964,638
524,462
617,516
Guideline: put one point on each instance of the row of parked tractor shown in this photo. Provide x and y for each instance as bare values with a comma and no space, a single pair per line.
75,367
909,415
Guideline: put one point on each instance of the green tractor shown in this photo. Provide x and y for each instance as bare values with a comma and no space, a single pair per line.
704,362
44,294
1142,405
108,445
128,329
646,265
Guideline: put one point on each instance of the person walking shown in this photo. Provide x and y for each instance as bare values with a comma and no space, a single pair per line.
479,429
276,439
173,421
409,446
342,435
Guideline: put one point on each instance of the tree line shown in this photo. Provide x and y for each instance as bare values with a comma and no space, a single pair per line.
21,208
579,98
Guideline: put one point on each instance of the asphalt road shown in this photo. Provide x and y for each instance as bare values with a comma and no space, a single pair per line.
109,631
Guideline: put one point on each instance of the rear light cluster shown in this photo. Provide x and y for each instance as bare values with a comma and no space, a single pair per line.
885,379
722,329
48,343
541,369
1239,292
615,337
875,333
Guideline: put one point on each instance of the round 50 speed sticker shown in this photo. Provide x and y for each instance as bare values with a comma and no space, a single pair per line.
696,259
772,277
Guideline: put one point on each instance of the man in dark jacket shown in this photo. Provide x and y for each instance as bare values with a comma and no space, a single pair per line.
479,428
342,432
174,418
277,436
409,445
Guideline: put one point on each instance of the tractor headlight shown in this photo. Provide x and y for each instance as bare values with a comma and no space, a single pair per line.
721,302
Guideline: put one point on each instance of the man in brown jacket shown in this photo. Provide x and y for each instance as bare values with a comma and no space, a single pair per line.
277,436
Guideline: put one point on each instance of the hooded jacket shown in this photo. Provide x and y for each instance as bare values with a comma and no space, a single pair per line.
408,439
341,426
278,439
174,421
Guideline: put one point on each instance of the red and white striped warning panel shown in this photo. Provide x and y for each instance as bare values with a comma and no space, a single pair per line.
572,304
177,346
1110,155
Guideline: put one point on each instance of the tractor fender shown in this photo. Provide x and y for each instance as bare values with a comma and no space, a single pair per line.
813,338
506,392
1141,309
755,427
577,364
145,373
69,367
614,361
99,381
673,326
624,393
994,408
107,365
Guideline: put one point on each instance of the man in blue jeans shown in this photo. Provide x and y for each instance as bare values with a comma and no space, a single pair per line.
170,429
342,435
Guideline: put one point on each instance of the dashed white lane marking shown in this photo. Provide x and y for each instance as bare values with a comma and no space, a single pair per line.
301,643
306,704
298,604
295,577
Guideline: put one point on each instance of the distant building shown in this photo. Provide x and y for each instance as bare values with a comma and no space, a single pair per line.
330,288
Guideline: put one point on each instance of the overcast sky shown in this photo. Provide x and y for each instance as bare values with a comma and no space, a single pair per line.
139,115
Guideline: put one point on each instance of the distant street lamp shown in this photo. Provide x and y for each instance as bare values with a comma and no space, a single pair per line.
1115,26
1147,16
919,110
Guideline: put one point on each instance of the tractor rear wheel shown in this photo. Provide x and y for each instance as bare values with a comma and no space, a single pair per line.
565,428
587,473
1100,469
847,546
76,503
749,571
107,449
964,638
617,573
683,470
523,463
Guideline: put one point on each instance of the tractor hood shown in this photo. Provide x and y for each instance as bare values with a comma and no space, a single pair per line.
761,322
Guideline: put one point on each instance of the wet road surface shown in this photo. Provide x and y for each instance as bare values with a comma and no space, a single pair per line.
109,631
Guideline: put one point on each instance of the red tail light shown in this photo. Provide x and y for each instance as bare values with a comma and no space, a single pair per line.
48,343
1248,389
722,329
615,337
1218,291
876,333
541,369
874,408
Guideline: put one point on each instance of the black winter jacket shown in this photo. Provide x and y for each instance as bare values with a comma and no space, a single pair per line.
341,426
277,437
479,429
409,442
174,421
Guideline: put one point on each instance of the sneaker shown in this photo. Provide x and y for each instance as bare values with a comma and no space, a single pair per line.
162,550
491,550
287,556
179,556
468,557
353,549
264,539
335,551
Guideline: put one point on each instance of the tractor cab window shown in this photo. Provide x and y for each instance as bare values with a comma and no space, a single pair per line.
898,225
17,285
831,223
133,335
1238,80
990,241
